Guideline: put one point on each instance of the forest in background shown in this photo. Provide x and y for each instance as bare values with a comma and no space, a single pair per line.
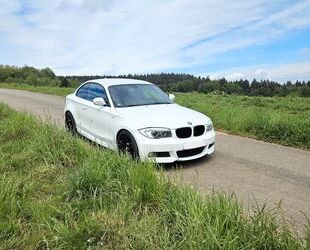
167,81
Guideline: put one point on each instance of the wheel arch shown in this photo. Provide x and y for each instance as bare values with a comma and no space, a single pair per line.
68,112
136,145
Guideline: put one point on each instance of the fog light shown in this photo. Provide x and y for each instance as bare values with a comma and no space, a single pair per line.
159,154
152,154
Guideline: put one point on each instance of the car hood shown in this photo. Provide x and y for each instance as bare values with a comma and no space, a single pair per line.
163,115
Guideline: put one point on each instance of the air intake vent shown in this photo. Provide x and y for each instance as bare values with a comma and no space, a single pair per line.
189,152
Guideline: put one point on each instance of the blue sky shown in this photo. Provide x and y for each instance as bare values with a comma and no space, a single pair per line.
236,39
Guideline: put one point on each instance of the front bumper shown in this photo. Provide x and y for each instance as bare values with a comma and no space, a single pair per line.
178,149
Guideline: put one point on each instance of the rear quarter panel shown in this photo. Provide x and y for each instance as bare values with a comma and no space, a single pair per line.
70,105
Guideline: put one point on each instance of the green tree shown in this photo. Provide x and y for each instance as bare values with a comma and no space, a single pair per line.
47,72
208,87
64,82
184,86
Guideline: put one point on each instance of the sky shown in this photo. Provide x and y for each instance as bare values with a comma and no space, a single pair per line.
235,39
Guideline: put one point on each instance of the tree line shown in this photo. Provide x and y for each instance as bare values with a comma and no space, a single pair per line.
167,81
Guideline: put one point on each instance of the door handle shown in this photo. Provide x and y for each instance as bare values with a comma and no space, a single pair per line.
83,108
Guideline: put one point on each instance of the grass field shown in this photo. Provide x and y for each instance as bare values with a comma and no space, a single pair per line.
284,120
58,191
41,89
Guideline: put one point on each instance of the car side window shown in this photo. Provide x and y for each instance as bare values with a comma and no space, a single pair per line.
82,92
95,91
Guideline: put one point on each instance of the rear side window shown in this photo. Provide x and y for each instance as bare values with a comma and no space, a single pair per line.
82,92
95,90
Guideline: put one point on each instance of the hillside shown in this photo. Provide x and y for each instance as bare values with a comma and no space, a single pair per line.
167,81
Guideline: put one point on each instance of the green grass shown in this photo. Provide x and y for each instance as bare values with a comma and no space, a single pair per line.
58,191
41,89
283,120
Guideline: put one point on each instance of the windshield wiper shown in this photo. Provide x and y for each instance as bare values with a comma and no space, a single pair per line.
155,103
145,104
133,105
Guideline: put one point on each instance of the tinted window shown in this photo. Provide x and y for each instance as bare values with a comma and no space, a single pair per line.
96,90
82,92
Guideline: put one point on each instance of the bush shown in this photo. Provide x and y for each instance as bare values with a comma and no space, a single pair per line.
209,87
183,86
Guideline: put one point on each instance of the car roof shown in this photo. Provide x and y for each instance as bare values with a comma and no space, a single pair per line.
117,81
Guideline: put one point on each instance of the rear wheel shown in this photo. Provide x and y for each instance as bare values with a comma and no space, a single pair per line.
127,144
70,123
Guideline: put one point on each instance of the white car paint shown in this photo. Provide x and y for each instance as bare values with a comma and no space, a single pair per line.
102,123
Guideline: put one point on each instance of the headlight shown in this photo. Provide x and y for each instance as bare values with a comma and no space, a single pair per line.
209,127
156,133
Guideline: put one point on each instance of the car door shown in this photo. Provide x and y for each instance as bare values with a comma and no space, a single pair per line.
83,119
100,116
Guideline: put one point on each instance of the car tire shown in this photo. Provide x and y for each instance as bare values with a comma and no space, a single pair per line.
70,123
127,144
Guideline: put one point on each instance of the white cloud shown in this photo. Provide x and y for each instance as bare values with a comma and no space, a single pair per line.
130,36
280,73
304,52
263,28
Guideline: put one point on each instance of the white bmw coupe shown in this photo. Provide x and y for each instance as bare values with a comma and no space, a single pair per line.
138,118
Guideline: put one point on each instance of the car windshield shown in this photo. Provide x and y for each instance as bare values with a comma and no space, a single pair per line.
129,95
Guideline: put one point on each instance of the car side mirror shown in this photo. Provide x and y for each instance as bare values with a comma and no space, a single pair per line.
99,101
172,97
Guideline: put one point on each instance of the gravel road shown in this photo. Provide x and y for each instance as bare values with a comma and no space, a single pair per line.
269,172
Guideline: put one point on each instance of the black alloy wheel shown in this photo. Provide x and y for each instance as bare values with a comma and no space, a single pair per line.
70,123
127,144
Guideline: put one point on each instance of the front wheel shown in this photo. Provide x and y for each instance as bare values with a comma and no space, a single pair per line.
127,144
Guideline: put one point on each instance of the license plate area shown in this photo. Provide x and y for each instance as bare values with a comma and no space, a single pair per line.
196,144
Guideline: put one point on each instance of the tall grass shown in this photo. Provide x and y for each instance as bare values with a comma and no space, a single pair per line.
57,191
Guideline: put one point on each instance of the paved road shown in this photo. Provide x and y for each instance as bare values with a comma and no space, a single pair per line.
251,168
